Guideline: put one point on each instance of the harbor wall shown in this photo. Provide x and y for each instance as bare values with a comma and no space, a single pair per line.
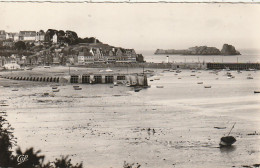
126,79
234,66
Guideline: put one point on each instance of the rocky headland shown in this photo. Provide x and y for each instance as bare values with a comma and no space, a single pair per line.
201,50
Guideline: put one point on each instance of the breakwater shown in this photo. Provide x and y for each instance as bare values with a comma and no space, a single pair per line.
234,66
34,78
98,78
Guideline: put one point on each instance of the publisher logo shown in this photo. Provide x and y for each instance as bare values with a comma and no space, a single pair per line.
22,158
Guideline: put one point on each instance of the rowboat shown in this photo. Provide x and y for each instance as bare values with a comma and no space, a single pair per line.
200,83
207,86
159,86
56,90
137,89
256,91
227,141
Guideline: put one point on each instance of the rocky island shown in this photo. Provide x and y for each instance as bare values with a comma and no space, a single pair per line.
201,50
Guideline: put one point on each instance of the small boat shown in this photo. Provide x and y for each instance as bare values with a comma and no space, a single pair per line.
156,78
111,86
15,90
128,85
192,75
77,88
151,80
28,68
109,70
45,94
207,86
250,77
179,78
227,141
56,90
178,71
115,84
200,83
137,89
54,87
159,86
6,86
256,91
251,69
47,67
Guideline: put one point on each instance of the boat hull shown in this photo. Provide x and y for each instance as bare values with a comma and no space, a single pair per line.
227,141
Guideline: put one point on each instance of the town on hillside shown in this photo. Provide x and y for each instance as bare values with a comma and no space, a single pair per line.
53,47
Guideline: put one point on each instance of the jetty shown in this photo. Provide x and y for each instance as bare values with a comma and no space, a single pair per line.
137,79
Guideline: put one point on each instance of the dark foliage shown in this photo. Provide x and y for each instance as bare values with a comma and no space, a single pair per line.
34,160
7,142
20,45
65,162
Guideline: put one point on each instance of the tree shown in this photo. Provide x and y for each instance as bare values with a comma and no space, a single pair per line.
20,45
65,162
7,142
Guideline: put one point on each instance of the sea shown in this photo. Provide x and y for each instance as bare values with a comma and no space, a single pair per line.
247,56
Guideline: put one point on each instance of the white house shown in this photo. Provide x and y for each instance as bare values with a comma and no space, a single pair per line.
55,38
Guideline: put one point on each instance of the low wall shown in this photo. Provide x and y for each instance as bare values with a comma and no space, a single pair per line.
234,66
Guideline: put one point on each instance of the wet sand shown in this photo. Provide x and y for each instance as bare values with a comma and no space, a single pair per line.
156,127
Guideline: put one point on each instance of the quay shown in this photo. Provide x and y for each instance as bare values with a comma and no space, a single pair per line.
234,66
136,79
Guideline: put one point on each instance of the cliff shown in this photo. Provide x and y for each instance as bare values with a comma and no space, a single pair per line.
201,50
229,50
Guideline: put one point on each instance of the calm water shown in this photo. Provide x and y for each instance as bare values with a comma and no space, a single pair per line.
245,57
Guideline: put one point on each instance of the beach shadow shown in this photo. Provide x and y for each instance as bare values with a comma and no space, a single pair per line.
227,149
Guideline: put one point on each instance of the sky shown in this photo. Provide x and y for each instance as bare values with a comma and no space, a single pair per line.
142,26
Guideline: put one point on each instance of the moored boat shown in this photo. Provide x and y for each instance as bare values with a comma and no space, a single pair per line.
56,90
137,89
159,86
207,86
227,141
256,91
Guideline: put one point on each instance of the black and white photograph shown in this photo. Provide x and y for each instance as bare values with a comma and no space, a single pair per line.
129,84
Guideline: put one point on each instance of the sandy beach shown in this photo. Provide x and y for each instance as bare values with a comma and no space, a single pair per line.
174,126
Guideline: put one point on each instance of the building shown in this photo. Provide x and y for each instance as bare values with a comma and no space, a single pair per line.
85,57
98,54
10,36
27,35
40,36
55,38
16,37
2,35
